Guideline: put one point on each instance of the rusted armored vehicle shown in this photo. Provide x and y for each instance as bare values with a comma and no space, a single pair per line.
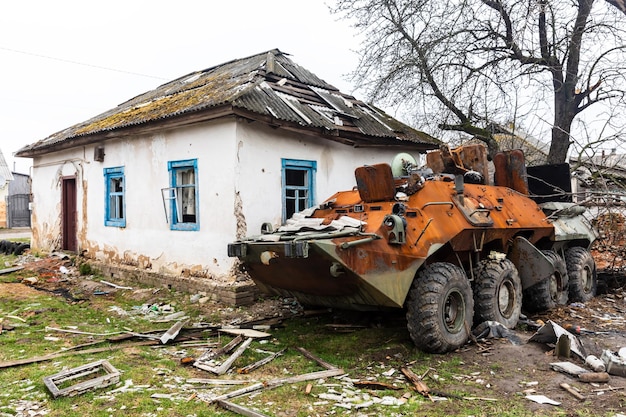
439,242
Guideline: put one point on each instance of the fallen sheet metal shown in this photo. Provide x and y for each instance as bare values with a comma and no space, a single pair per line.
172,331
550,333
568,368
112,376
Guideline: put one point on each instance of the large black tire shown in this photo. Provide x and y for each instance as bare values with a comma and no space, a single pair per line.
20,248
581,270
552,291
440,308
497,292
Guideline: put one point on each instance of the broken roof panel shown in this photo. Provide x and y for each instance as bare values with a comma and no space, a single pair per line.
268,87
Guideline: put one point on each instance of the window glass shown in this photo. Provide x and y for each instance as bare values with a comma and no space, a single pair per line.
184,204
115,212
298,181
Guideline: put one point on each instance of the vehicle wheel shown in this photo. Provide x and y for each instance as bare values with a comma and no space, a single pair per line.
550,292
497,292
581,270
19,249
440,308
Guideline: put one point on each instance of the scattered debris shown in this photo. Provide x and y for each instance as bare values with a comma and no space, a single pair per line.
73,331
550,332
252,333
315,359
258,364
375,385
542,399
119,287
594,377
204,359
279,382
112,376
494,329
206,381
18,362
10,270
615,364
225,366
568,368
416,380
576,394
172,332
595,364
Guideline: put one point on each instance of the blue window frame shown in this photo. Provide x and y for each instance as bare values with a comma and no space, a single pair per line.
184,204
115,198
298,185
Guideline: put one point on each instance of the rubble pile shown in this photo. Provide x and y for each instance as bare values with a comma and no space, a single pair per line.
609,251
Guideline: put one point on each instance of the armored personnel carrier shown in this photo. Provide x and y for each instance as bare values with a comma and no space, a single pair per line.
439,242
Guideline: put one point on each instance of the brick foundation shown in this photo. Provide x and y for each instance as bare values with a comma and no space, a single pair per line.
232,294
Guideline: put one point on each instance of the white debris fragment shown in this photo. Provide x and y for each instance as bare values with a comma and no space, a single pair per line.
542,399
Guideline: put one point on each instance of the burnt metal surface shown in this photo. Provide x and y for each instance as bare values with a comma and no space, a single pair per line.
373,261
459,160
532,265
343,271
375,183
510,170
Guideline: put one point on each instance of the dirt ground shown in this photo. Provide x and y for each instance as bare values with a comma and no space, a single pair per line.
507,369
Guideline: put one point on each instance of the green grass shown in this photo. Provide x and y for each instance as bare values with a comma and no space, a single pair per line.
370,353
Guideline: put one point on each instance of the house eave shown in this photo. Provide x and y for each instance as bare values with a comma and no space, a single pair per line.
346,137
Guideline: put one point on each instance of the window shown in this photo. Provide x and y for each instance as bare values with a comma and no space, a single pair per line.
184,195
115,201
298,179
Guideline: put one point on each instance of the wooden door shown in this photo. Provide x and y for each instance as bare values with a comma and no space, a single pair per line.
68,215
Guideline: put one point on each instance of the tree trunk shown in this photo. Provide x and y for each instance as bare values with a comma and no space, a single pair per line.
559,146
564,113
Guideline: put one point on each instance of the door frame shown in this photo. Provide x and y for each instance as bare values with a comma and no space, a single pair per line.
69,205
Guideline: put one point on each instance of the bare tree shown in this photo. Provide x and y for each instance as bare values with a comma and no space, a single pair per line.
465,64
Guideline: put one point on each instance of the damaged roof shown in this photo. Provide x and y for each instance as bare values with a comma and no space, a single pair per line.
267,87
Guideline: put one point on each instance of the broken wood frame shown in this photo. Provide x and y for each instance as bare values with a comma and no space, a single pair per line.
249,368
111,377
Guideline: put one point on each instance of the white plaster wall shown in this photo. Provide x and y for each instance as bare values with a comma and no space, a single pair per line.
47,174
147,233
234,158
260,150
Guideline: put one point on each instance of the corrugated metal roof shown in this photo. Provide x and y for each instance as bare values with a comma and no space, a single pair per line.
269,85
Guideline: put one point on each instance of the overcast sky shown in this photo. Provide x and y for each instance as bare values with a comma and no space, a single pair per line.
65,61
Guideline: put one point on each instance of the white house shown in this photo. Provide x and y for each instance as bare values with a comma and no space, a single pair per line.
166,179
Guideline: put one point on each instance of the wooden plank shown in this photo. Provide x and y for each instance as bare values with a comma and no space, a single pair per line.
258,364
216,381
213,353
278,382
236,408
36,359
314,358
224,367
246,332
572,391
9,270
416,381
